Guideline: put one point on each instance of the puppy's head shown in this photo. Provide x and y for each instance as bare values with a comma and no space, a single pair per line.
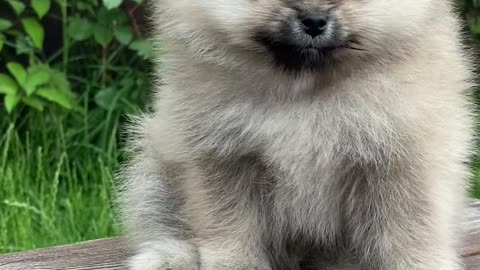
300,34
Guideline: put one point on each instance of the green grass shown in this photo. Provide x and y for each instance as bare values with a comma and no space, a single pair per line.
57,166
56,184
475,189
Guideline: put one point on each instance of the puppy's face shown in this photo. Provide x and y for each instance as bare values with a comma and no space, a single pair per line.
305,34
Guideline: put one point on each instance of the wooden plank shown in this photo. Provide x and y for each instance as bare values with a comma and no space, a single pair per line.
105,254
110,254
471,247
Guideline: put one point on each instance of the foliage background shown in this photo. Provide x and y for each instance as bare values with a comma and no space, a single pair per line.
69,73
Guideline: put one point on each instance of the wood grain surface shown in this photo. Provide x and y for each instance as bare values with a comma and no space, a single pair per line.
110,254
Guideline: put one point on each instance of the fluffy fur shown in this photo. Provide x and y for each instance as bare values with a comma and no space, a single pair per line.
355,158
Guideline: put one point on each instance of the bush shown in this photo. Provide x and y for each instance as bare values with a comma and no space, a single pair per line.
69,72
85,45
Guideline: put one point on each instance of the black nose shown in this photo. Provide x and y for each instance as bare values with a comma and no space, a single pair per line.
314,23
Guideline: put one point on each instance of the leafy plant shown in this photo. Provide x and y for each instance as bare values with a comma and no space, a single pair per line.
93,34
32,83
35,86
69,72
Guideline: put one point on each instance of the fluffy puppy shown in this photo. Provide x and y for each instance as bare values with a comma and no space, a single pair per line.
302,134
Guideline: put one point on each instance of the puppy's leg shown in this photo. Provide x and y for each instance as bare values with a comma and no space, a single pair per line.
224,205
165,254
236,247
227,252
403,218
151,212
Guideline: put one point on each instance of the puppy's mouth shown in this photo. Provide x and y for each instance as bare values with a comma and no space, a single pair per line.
295,57
307,41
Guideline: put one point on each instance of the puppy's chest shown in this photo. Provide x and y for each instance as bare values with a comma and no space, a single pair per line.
309,150
307,146
308,142
313,156
316,143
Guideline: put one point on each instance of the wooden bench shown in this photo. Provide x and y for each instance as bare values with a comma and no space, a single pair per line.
110,254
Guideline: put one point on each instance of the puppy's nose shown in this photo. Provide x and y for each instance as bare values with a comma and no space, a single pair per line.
314,23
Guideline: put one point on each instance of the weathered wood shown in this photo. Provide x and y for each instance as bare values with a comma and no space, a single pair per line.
107,254
471,247
110,254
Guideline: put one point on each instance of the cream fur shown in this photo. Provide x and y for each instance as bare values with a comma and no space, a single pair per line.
358,165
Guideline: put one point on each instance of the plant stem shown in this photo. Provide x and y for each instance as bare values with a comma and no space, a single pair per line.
66,45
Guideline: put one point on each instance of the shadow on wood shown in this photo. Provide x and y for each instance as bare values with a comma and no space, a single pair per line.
110,254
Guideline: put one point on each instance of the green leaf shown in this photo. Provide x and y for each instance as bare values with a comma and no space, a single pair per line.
35,31
59,81
111,4
105,97
5,24
1,45
57,89
84,6
144,48
123,34
41,7
103,35
17,6
34,102
37,76
22,45
56,96
11,101
8,85
18,71
80,29
138,1
111,18
15,32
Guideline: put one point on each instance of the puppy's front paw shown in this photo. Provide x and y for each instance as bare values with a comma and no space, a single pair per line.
221,264
211,260
165,255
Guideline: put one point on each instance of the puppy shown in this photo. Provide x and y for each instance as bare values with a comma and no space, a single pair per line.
302,134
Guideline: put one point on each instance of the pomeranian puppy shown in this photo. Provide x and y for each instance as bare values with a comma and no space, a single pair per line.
302,134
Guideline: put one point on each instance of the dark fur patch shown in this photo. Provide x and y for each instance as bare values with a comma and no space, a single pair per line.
294,58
